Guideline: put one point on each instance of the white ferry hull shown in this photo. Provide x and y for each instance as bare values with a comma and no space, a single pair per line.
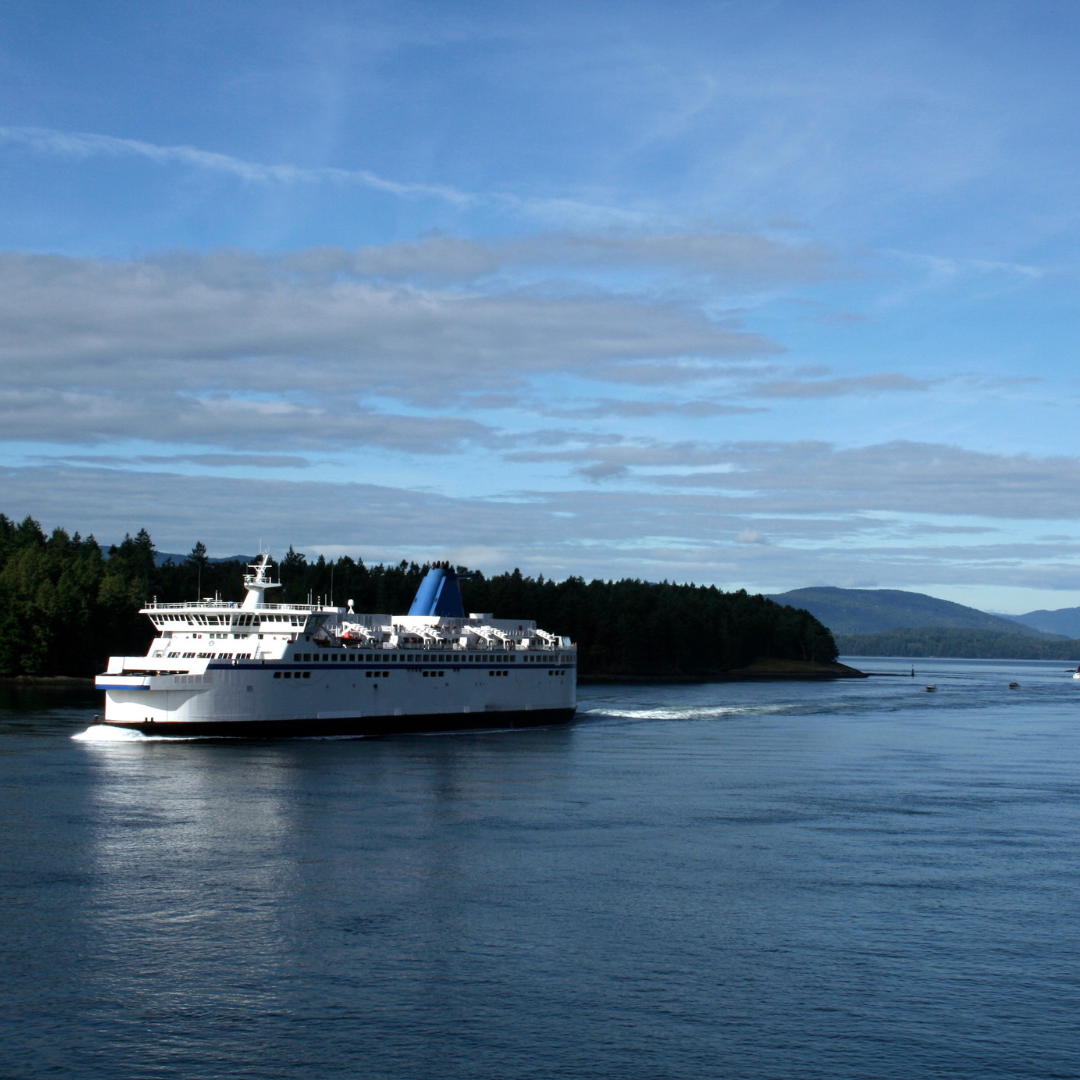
258,700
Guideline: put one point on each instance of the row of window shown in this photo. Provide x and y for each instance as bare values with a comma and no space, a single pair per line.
228,620
292,674
387,674
207,656
492,658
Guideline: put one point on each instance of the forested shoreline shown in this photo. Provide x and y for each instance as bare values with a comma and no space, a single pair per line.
958,643
66,604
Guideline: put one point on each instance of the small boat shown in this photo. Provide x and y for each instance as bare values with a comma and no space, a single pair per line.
930,688
1076,673
1014,686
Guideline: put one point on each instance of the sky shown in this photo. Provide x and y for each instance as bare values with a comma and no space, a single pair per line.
756,294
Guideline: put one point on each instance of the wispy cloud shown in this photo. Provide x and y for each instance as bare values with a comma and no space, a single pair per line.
87,145
84,145
695,410
885,383
210,461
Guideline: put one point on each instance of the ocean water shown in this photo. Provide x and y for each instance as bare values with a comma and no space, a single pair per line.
852,879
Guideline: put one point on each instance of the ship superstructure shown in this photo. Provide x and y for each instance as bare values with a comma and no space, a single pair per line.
263,669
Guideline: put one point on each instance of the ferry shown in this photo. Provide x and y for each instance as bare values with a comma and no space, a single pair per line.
258,669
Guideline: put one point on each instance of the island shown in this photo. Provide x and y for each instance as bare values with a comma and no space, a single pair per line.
68,603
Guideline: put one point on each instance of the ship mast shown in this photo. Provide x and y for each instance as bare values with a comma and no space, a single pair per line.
258,582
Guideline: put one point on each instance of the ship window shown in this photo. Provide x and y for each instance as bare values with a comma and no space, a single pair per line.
307,674
277,674
352,656
367,674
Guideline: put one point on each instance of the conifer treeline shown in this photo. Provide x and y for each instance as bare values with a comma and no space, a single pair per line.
66,605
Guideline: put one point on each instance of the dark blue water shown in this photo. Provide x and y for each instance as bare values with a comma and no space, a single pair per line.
839,880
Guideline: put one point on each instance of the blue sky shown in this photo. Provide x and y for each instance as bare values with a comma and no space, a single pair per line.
760,294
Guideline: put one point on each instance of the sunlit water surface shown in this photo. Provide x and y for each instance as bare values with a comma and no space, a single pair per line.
855,879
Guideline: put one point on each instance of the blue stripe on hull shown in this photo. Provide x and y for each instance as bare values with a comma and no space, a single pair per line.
367,725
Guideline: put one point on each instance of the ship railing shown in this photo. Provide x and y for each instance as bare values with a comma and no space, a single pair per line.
236,605
481,646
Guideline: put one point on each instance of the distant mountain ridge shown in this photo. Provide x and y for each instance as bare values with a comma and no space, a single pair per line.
1060,621
873,611
966,644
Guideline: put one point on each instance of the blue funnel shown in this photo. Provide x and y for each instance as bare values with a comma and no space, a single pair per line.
439,594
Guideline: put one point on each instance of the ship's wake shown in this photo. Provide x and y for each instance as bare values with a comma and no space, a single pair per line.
700,712
108,733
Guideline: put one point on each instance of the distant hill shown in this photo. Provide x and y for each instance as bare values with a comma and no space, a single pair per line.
871,611
958,643
1061,621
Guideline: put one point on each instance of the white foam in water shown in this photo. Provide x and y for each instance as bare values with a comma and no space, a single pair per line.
107,733
689,713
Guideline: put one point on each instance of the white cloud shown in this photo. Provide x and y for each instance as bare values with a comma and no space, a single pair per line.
798,478
246,352
920,478
884,383
674,535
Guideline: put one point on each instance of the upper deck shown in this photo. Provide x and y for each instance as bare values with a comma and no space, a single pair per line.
195,635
